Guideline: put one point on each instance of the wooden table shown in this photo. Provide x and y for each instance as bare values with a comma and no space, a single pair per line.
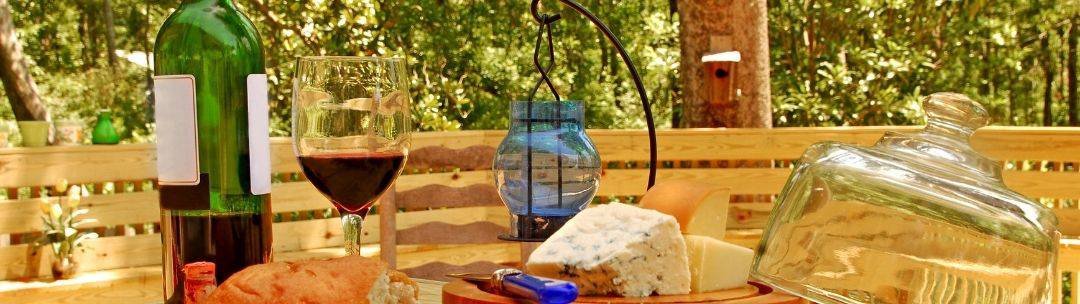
148,291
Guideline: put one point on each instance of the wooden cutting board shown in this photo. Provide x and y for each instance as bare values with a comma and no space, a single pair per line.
461,292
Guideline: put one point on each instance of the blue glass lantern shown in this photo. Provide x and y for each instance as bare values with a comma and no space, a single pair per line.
546,169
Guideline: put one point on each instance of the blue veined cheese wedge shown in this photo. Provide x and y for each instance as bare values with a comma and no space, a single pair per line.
617,249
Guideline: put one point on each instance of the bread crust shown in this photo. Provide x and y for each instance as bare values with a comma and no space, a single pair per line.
340,280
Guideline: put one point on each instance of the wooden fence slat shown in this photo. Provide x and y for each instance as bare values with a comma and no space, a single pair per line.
1053,184
740,180
449,179
141,207
445,233
700,153
439,196
283,160
322,233
1002,143
297,196
770,181
20,167
388,236
626,181
20,261
438,270
1074,292
22,216
462,255
439,157
87,164
1055,290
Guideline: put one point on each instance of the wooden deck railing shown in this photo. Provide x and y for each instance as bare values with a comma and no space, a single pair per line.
1040,162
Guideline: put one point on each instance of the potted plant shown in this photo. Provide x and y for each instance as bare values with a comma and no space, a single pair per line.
35,133
69,132
61,217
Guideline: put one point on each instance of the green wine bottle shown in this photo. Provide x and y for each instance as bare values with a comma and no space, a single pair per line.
211,112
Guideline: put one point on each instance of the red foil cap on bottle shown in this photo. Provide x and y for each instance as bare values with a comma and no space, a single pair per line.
199,281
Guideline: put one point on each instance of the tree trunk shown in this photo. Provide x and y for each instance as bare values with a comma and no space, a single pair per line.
93,32
1048,89
746,22
18,84
110,33
1070,67
84,35
147,50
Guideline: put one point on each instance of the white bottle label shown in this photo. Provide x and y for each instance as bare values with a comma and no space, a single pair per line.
177,130
259,133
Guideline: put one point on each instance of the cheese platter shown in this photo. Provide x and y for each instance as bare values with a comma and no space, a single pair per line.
619,253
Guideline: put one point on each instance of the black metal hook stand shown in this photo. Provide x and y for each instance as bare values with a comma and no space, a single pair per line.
546,21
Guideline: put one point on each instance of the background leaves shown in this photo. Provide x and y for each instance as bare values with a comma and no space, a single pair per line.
834,62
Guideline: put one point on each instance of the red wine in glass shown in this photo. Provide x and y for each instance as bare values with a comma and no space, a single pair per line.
353,180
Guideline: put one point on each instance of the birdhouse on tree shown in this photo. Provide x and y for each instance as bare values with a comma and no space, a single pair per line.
720,78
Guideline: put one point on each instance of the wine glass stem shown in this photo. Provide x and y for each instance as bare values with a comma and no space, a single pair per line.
351,226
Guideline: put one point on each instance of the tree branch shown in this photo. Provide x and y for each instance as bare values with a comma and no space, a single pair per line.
18,84
312,45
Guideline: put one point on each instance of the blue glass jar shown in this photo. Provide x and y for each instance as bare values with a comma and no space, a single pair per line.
547,157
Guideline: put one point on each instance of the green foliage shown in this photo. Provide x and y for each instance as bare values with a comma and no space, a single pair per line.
79,96
869,62
65,44
469,59
834,62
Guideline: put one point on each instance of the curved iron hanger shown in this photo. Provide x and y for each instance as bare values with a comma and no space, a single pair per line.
546,20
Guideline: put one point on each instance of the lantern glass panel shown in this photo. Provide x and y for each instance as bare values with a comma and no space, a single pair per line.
547,141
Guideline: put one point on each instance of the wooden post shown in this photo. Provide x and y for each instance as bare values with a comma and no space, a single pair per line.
1074,291
388,227
1055,293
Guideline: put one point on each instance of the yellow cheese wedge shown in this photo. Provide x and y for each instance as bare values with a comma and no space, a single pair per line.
701,209
716,265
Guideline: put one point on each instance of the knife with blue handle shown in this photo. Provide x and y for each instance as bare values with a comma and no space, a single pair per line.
516,283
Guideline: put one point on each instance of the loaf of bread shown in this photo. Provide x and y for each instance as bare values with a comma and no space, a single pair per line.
352,279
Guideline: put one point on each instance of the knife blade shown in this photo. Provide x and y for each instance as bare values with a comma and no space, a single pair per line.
516,283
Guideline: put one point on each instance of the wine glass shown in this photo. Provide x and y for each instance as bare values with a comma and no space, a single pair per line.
351,124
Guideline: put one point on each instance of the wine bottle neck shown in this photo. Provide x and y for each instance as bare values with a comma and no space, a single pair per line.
221,3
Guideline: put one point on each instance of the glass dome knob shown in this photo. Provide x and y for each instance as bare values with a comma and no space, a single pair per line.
954,115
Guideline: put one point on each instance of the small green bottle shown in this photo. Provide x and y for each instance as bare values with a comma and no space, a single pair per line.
104,132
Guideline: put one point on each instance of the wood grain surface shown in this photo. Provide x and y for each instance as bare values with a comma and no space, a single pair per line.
461,292
21,167
23,261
